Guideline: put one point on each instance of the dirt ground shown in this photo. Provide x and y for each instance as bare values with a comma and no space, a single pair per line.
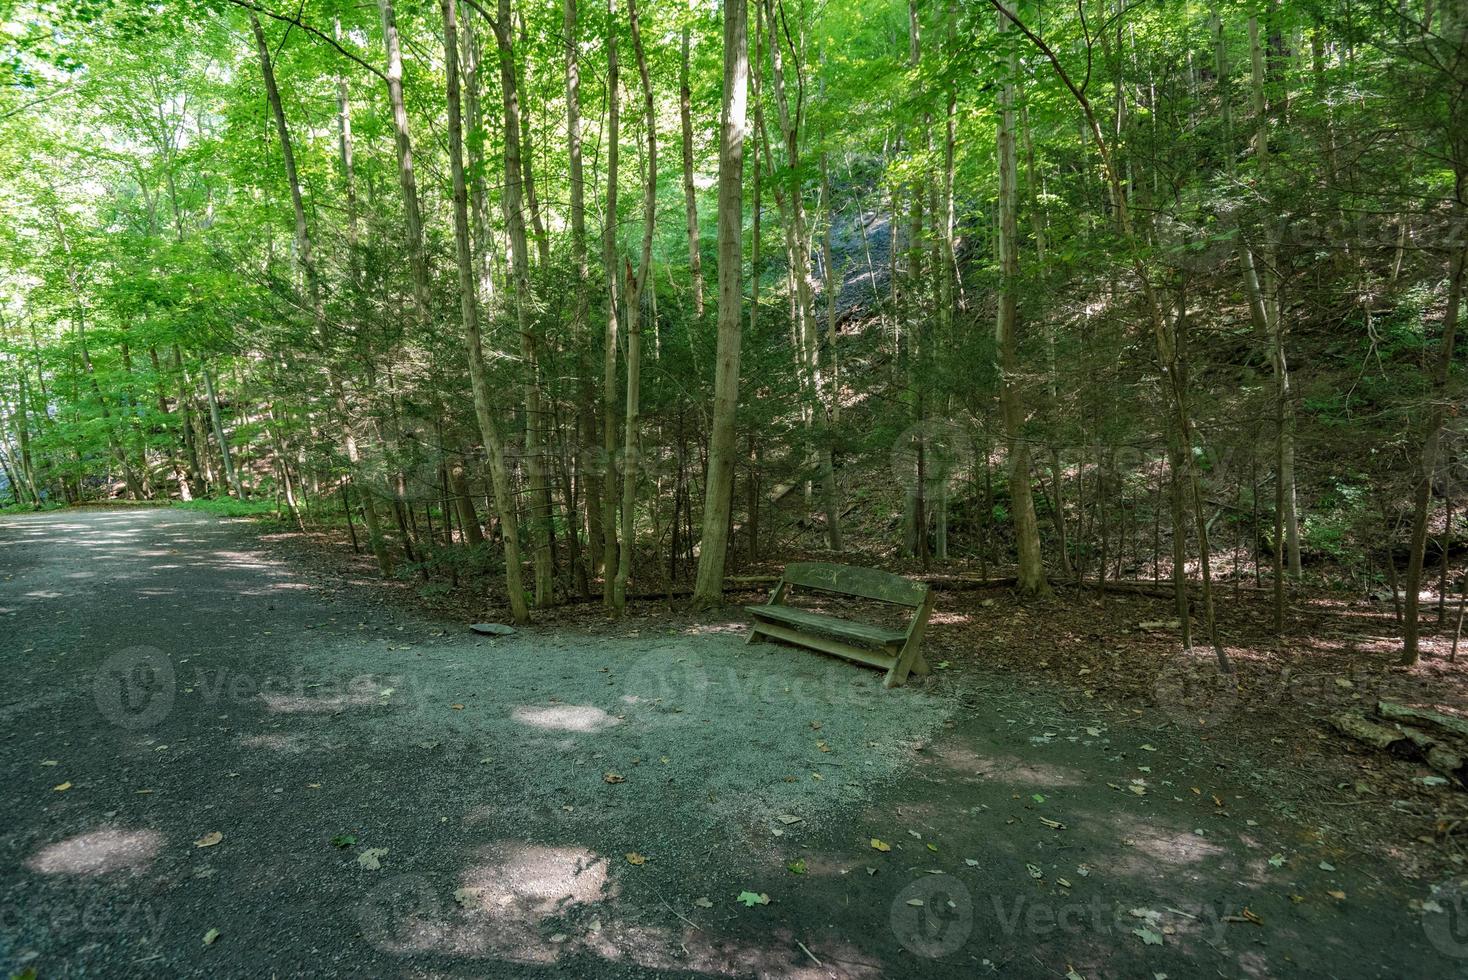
229,754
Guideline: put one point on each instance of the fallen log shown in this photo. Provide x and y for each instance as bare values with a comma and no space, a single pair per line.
1451,724
1362,729
1405,741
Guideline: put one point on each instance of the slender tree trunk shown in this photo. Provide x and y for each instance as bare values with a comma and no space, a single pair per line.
690,199
514,213
590,473
305,256
798,243
1031,572
708,590
469,309
637,281
407,180
610,558
230,476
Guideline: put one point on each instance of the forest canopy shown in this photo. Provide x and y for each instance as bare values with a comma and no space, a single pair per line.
626,292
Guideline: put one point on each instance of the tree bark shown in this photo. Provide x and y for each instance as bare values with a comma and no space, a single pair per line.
610,558
637,281
305,256
469,310
590,474
1031,574
690,198
514,212
720,483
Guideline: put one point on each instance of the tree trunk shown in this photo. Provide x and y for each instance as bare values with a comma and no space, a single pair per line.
514,213
798,243
469,309
304,256
690,199
637,281
610,384
589,473
719,485
230,476
1031,572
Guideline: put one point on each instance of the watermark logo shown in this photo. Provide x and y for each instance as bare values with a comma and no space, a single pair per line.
135,688
669,682
401,914
1445,918
933,917
935,453
104,914
138,687
1194,693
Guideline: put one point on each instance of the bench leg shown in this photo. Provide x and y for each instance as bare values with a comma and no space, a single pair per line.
911,657
897,676
755,636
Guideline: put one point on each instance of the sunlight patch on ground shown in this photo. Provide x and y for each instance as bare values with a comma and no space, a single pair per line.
565,718
1010,769
1151,850
536,881
98,852
298,704
276,742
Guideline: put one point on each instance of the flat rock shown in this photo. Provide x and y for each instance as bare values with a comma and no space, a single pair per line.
493,629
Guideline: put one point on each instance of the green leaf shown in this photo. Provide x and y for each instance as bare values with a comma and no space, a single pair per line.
751,899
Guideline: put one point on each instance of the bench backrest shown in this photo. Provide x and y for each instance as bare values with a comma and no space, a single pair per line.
868,583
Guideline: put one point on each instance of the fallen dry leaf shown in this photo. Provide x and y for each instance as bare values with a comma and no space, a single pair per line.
613,777
880,845
634,858
209,839
61,788
371,859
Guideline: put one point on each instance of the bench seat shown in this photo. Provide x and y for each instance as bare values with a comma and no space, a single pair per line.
832,625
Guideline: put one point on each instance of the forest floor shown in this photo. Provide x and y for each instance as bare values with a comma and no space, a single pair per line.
209,725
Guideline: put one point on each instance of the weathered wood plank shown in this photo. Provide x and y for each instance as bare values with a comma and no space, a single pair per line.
869,583
825,645
910,658
844,628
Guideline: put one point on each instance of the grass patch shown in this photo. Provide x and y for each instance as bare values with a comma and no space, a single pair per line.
229,506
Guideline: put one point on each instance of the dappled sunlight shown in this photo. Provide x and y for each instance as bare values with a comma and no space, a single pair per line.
565,718
731,629
536,880
278,742
98,853
1006,768
536,904
1147,850
299,704
506,894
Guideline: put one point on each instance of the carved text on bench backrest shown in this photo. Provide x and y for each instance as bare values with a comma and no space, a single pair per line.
869,583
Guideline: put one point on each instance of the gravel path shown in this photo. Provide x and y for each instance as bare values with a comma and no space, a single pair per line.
168,682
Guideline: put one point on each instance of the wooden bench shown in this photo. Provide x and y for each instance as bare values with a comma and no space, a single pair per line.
896,651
